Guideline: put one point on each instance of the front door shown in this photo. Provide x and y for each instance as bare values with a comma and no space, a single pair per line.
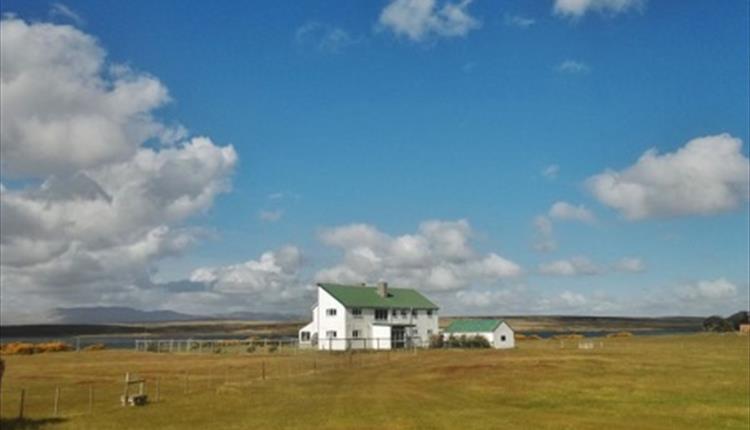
398,337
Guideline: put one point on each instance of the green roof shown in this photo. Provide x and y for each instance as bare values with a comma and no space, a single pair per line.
353,296
472,326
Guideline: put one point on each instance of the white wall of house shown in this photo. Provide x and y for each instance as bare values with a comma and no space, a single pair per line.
331,328
311,328
504,337
383,335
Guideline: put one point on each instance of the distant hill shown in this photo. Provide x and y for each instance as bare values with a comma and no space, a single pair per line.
126,315
115,314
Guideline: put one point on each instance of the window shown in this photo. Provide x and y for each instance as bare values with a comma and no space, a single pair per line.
429,332
355,333
394,313
502,338
331,312
404,313
331,333
381,314
357,312
414,313
304,336
429,312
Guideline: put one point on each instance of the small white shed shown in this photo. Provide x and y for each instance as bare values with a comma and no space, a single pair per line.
497,332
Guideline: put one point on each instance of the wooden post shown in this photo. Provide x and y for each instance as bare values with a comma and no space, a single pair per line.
56,409
125,392
158,391
91,398
20,405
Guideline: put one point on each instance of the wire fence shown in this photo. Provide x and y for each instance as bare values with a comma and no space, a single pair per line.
29,398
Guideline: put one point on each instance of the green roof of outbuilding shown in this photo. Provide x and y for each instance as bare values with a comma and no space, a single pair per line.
367,297
472,326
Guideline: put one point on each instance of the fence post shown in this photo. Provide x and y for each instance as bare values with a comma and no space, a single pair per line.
91,398
57,402
20,406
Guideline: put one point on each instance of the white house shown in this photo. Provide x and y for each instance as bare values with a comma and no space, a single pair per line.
497,332
361,317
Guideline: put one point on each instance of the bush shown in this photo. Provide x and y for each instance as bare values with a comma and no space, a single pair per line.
467,342
620,334
437,341
95,347
741,317
272,348
717,324
250,349
23,348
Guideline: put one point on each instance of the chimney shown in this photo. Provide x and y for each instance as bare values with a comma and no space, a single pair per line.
383,289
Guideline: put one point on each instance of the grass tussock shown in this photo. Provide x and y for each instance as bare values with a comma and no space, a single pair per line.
24,348
620,334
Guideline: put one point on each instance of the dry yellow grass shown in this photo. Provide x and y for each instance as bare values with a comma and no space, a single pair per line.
644,382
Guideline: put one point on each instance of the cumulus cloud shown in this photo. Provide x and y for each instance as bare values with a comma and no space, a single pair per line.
575,266
274,277
323,37
107,206
419,20
568,212
708,175
438,257
544,240
630,264
717,289
573,67
578,8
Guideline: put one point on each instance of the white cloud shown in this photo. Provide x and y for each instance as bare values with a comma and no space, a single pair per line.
270,215
578,8
551,171
544,240
575,266
107,207
61,10
324,37
421,19
63,109
438,257
708,290
709,175
272,277
573,67
518,21
630,264
566,211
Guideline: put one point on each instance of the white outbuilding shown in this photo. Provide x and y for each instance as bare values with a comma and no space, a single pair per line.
499,334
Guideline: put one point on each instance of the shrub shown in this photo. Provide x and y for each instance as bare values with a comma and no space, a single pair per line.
95,347
250,349
739,318
272,348
620,334
437,341
476,342
453,342
717,324
24,348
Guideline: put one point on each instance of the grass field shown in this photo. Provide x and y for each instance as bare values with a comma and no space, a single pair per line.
658,382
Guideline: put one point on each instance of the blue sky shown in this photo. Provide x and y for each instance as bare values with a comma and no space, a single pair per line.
342,113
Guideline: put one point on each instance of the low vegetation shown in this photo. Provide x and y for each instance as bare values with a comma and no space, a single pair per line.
644,382
23,348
